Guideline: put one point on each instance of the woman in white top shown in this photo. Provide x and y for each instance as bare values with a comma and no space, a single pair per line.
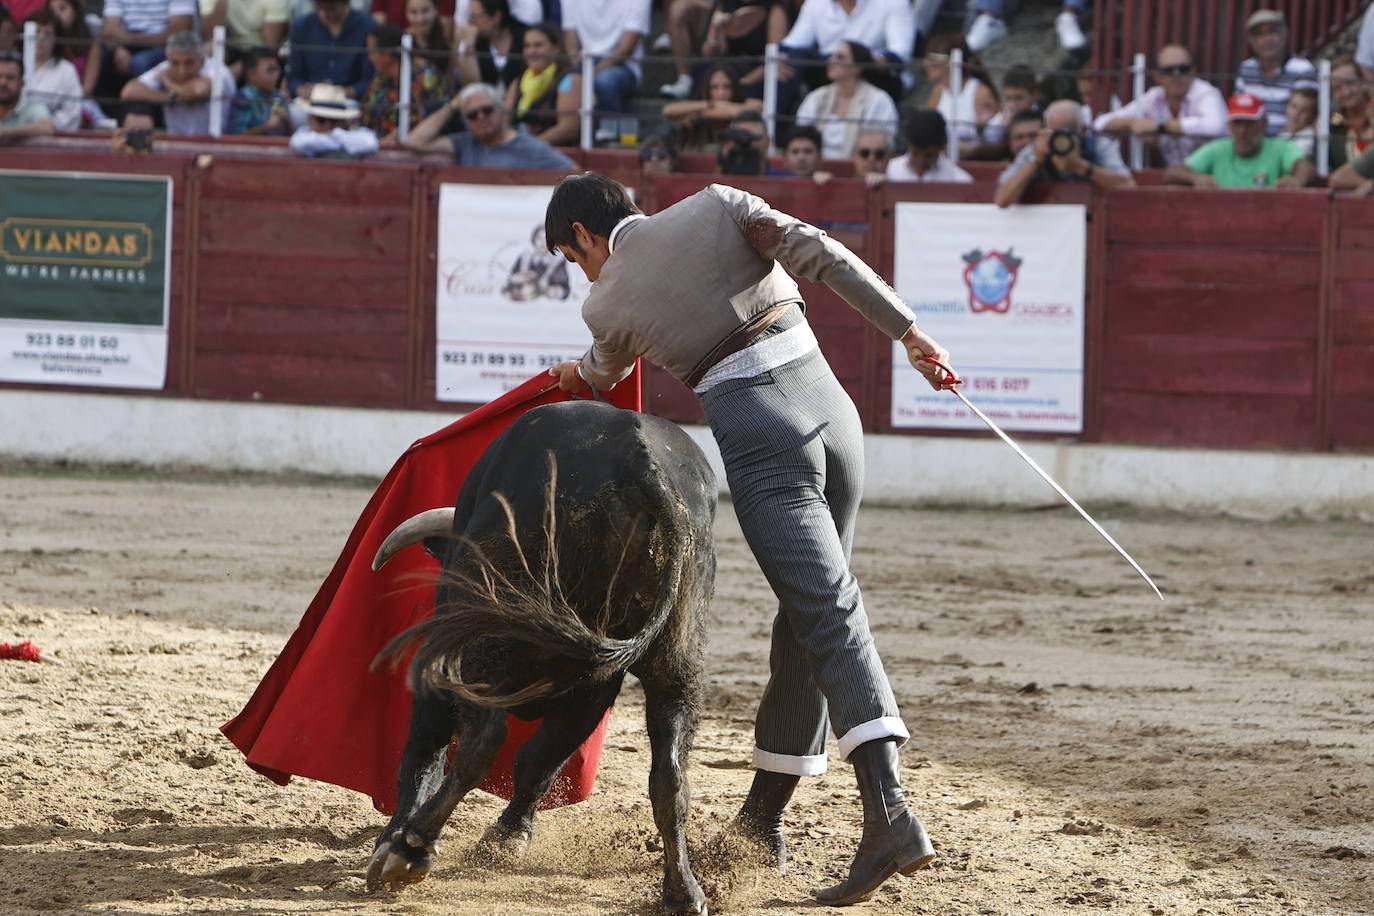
54,81
977,105
847,103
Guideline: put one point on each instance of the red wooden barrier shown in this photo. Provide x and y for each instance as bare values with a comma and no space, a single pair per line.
1222,318
1351,323
304,289
1211,330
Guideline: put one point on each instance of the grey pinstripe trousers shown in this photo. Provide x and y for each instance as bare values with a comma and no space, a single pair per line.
792,445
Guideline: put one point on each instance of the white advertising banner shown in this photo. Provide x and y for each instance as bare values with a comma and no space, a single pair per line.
506,307
1002,290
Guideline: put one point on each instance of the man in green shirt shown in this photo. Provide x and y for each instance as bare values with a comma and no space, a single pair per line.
19,118
1247,159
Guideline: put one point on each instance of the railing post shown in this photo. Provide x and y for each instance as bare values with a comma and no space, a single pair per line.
1323,149
956,88
217,82
30,52
1137,93
403,115
770,94
588,98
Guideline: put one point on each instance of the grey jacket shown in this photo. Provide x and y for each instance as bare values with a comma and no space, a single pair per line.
679,282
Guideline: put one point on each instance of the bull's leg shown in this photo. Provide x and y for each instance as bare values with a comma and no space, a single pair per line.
573,719
404,853
671,710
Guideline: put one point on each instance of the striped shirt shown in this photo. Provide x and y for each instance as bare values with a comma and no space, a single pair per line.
148,17
1274,90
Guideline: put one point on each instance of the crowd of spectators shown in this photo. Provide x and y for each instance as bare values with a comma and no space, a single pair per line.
494,83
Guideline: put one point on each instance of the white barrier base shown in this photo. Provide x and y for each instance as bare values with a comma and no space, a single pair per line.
902,470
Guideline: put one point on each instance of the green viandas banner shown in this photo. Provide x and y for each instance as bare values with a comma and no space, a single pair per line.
85,263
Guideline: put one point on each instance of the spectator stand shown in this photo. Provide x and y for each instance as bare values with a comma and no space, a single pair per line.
1214,32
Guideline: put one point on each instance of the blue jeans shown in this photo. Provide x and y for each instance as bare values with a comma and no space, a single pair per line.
141,62
612,85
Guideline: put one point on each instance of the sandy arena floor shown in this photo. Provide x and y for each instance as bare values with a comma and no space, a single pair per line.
1078,745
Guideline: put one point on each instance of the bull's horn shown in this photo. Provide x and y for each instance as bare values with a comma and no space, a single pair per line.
432,523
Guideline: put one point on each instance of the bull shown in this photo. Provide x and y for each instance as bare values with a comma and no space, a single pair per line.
580,549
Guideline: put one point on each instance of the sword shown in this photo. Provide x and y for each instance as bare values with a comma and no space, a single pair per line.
949,385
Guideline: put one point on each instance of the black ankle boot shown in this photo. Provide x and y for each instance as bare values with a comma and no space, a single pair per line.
760,818
893,839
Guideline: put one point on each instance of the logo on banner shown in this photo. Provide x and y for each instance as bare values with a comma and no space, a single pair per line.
990,278
79,242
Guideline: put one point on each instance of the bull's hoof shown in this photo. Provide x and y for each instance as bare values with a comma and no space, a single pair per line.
502,845
685,901
401,860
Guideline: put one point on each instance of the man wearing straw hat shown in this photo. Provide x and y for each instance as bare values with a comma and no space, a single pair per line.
329,131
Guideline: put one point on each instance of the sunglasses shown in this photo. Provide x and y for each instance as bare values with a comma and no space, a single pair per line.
481,112
865,153
1177,70
654,154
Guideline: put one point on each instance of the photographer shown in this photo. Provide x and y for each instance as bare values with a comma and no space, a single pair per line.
1062,153
744,145
135,134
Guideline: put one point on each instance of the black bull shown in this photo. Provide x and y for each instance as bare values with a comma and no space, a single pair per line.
580,548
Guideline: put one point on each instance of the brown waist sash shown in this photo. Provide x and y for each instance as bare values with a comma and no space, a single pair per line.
735,341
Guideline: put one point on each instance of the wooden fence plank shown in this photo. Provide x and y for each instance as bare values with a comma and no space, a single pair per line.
1219,266
322,231
1209,420
1250,310
294,378
1162,363
1227,218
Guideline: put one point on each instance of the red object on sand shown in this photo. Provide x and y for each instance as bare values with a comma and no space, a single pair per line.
321,711
24,651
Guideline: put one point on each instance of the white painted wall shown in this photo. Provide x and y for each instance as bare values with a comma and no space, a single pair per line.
902,470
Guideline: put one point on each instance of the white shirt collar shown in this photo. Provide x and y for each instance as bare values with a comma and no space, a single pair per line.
615,233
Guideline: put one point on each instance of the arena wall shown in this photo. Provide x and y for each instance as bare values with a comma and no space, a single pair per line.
1224,319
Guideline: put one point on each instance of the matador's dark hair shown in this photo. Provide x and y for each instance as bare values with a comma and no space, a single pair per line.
595,201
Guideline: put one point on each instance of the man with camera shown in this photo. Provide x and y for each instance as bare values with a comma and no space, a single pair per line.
744,145
134,135
1061,152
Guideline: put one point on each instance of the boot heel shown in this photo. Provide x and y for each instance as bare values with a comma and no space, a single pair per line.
923,862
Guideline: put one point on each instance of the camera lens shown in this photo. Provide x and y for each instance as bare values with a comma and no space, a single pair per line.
1063,142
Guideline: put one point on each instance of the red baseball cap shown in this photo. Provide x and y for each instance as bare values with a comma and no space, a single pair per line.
1245,107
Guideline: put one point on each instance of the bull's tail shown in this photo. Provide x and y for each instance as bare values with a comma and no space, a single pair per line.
529,605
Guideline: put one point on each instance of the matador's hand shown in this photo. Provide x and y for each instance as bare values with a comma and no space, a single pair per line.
919,345
568,377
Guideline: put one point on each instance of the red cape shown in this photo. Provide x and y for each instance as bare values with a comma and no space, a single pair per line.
321,711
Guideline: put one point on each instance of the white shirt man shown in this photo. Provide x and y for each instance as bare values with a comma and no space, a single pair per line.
902,169
191,116
600,25
885,27
1201,114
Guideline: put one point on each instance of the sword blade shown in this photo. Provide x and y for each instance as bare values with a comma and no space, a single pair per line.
1044,475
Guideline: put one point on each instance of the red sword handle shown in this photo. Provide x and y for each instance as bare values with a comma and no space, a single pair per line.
949,382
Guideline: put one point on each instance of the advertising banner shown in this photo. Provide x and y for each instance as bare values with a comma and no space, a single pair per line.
1002,290
85,265
506,307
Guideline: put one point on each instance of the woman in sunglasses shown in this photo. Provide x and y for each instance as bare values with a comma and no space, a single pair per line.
849,102
1178,115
